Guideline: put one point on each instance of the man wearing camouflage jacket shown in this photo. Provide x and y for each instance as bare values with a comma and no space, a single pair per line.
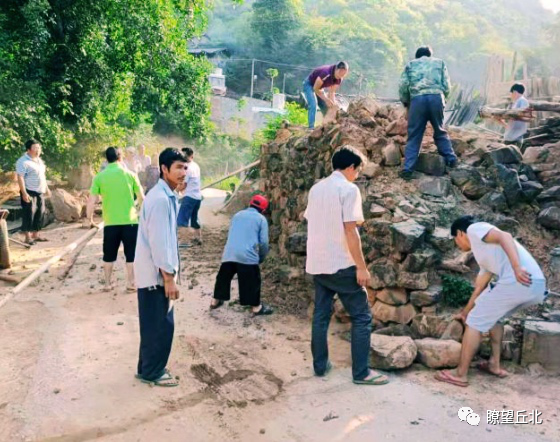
423,87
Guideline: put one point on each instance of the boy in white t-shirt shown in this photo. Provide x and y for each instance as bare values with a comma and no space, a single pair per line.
520,283
190,204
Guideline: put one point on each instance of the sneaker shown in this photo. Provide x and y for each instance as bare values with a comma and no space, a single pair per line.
405,175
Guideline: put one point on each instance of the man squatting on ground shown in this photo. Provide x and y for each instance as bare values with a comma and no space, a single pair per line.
32,181
117,187
246,248
190,204
520,283
423,87
336,261
328,76
157,269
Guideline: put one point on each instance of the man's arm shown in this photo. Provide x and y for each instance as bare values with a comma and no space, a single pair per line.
263,241
506,242
21,184
482,281
404,88
446,82
355,245
139,191
332,93
164,256
318,89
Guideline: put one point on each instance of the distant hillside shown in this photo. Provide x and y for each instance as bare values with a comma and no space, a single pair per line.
376,37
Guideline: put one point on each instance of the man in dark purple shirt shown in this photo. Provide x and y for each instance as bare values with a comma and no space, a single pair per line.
328,76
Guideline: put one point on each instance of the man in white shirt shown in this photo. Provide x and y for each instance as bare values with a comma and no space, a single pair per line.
521,283
131,160
516,129
32,181
336,261
190,204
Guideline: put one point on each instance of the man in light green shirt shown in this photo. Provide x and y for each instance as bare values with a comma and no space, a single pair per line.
118,188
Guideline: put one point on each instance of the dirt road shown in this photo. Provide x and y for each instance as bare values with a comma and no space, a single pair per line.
69,354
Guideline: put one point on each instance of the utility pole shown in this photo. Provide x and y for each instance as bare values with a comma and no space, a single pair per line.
252,76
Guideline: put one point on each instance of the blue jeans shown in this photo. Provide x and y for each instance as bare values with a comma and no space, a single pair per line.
424,108
188,213
354,299
312,102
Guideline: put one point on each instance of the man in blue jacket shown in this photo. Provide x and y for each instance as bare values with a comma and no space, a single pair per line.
246,248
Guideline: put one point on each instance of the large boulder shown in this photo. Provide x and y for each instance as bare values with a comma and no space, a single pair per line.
509,181
395,330
391,155
434,186
391,352
297,243
495,201
401,314
503,155
531,190
438,353
550,218
392,296
454,331
420,260
424,298
383,274
413,281
441,239
430,164
397,127
535,154
66,207
541,341
407,236
428,326
552,194
470,181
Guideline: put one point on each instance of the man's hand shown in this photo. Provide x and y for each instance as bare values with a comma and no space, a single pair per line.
26,197
363,276
522,276
49,193
461,316
171,289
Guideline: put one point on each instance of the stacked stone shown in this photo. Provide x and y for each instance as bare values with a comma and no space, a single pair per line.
405,237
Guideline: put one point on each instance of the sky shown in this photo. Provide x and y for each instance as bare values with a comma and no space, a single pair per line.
553,5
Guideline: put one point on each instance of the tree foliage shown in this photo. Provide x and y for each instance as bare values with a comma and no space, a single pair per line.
74,73
377,37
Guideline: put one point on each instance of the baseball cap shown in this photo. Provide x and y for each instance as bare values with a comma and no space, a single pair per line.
260,202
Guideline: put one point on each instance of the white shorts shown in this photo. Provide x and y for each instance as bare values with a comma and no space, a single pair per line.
499,302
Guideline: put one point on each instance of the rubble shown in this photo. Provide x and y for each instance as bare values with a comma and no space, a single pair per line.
405,237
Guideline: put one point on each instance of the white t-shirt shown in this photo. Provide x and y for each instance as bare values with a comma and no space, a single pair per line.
492,257
332,202
193,181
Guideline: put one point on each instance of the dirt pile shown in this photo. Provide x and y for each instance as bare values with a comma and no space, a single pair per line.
406,237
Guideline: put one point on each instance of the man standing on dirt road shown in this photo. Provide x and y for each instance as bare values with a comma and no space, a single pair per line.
190,204
157,267
246,249
32,181
336,261
520,284
423,87
117,187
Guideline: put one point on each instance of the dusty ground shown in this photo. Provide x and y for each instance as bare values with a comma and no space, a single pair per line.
69,353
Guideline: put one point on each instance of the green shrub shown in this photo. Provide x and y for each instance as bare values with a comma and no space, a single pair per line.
456,290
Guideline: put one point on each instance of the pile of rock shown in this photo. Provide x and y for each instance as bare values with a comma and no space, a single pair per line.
405,237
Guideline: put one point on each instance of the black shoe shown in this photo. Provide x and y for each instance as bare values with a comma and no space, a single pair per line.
405,175
453,164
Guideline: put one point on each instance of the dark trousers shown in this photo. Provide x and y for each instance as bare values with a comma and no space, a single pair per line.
32,212
156,332
249,279
112,238
422,109
354,299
